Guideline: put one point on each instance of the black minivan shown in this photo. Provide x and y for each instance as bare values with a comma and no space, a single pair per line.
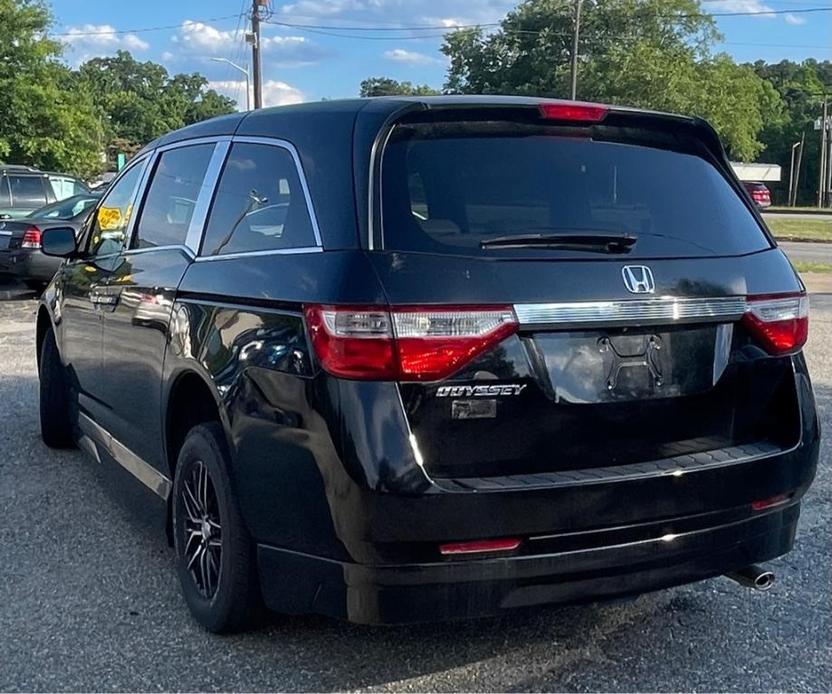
408,359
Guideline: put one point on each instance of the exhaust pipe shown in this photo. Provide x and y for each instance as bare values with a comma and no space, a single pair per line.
753,576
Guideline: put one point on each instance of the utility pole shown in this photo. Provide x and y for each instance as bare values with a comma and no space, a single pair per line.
254,39
797,170
575,36
790,201
823,162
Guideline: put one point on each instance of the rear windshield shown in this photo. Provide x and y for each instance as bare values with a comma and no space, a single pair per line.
452,188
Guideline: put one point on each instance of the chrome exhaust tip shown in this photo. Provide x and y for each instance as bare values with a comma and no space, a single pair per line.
753,576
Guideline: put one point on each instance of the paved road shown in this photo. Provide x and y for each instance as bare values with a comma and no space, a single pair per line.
807,252
89,601
798,215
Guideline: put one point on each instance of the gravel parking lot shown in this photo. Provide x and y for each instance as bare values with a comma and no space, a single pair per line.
89,600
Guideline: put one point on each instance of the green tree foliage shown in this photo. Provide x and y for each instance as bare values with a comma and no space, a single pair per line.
139,101
801,87
384,86
647,53
44,122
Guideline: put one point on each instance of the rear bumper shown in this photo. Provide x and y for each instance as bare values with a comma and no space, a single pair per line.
33,265
459,589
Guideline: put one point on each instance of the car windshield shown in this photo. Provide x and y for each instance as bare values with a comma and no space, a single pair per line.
66,209
465,188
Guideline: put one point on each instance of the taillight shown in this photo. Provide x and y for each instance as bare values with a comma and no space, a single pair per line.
585,113
404,343
31,238
780,322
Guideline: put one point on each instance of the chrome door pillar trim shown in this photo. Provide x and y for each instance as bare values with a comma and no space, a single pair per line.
140,469
193,238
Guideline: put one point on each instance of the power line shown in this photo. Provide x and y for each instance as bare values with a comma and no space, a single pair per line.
141,30
436,27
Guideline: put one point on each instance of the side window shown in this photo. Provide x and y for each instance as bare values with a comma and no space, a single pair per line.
171,198
259,204
4,192
27,190
113,215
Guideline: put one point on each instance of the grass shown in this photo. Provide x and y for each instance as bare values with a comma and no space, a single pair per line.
805,266
807,229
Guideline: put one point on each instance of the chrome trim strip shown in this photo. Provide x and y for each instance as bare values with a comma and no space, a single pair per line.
285,144
249,254
193,239
148,249
666,308
141,470
193,141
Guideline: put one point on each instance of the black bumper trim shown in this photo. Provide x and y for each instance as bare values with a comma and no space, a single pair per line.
297,583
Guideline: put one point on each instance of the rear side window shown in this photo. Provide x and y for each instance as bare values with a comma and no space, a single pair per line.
27,191
259,204
4,191
171,198
446,189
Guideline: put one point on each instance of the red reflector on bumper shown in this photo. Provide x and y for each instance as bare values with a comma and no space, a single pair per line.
763,504
480,546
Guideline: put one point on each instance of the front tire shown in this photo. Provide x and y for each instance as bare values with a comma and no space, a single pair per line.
55,403
215,555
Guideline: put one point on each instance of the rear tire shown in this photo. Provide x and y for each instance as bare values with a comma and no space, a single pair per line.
215,555
55,403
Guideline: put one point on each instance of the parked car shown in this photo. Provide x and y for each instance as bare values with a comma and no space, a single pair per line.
412,359
759,193
20,240
24,189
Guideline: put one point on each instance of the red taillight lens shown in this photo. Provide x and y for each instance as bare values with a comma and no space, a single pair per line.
781,322
31,238
584,113
404,343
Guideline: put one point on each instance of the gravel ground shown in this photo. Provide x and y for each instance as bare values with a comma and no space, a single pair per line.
89,600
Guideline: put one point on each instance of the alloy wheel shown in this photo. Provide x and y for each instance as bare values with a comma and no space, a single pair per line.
202,540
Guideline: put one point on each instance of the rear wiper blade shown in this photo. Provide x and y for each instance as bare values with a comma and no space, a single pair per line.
582,241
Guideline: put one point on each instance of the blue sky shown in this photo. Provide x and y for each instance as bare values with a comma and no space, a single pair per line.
308,64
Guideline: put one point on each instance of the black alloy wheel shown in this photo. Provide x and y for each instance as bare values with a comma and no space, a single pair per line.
202,529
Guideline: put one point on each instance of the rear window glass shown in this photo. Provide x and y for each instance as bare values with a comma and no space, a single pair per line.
446,189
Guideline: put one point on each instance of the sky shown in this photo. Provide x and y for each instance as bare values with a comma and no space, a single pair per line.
307,63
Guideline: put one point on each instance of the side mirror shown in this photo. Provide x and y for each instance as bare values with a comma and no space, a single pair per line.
58,241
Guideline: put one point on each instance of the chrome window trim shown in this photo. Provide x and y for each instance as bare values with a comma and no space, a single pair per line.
175,246
193,239
659,309
307,196
248,254
203,202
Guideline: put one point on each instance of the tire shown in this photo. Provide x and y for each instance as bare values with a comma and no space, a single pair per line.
231,601
56,427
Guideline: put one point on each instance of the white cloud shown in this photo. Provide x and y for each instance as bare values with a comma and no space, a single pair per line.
756,6
90,40
400,55
794,19
275,93
280,51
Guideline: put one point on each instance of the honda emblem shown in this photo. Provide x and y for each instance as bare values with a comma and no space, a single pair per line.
638,279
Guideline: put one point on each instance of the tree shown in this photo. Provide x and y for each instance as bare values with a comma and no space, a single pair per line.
648,53
384,86
139,101
801,87
46,122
